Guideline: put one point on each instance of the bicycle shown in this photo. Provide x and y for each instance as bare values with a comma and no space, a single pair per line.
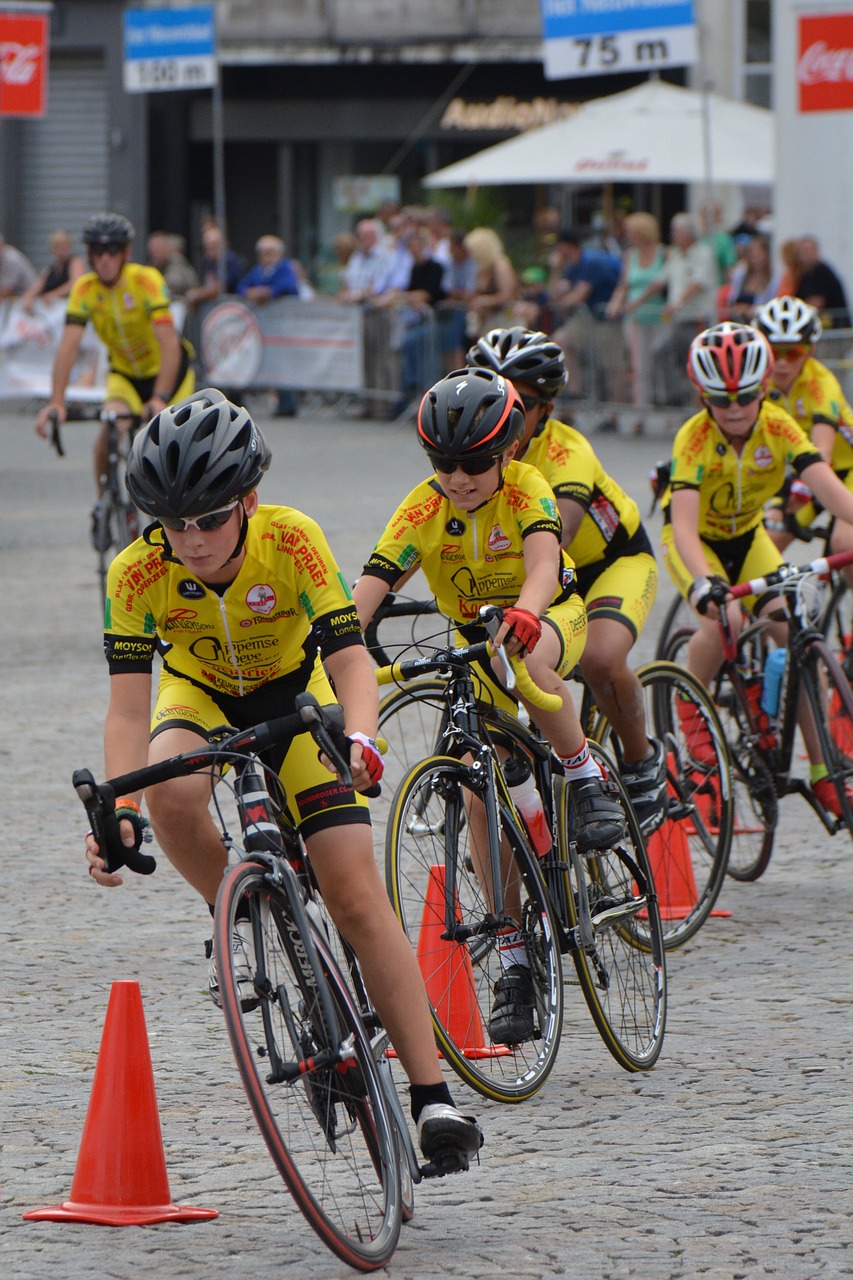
456,900
115,520
762,750
311,1051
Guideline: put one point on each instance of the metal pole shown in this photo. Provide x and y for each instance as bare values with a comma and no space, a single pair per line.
219,170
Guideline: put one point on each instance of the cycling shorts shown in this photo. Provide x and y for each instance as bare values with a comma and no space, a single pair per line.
136,392
568,619
751,555
315,798
624,590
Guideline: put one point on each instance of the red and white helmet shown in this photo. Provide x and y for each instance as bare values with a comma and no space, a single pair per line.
731,358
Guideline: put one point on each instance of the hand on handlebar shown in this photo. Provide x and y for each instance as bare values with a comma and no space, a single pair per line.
97,866
520,631
709,594
42,421
365,761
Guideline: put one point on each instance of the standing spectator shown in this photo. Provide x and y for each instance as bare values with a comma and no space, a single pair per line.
363,278
820,287
272,276
642,263
166,253
722,243
582,283
689,282
55,280
752,282
331,271
497,283
367,268
459,284
17,273
792,269
440,226
217,255
423,291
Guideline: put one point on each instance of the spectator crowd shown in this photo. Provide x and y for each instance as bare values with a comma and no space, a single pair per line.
622,302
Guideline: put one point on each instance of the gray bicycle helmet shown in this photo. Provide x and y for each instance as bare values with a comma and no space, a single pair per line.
196,456
108,228
522,355
788,322
470,413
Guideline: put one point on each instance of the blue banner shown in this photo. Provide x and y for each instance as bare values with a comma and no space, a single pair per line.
169,33
562,18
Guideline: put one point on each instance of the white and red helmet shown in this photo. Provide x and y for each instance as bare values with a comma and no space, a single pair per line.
730,358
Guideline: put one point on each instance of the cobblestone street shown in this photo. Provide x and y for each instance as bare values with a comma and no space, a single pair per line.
731,1159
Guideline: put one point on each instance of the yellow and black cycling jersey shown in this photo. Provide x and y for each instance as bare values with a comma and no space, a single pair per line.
816,397
569,463
124,316
733,488
288,599
471,558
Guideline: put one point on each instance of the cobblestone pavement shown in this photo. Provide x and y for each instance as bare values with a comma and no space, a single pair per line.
730,1159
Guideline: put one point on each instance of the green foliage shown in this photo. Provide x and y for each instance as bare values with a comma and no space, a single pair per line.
476,207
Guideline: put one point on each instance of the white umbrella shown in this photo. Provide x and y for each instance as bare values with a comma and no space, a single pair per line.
656,132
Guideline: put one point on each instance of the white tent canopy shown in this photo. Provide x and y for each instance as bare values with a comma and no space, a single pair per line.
656,132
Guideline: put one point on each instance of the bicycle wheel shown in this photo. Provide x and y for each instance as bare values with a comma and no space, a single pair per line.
678,615
446,910
755,805
616,935
323,1119
837,625
828,690
410,720
689,853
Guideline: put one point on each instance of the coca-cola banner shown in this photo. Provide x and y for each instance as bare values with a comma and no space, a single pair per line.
24,44
825,67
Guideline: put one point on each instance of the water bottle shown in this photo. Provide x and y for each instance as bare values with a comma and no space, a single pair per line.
528,802
773,670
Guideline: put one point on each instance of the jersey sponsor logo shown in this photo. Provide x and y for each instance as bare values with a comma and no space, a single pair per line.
497,540
480,588
130,647
185,620
261,598
273,617
190,589
452,551
763,458
407,556
455,527
605,516
549,506
179,712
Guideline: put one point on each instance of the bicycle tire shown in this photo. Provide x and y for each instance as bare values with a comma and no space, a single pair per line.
828,690
755,802
678,614
690,852
622,972
327,1130
427,848
837,625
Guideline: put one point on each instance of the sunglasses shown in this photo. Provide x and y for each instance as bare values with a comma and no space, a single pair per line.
533,402
205,524
791,353
114,250
471,466
725,399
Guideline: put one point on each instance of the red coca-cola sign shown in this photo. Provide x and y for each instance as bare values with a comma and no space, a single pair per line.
24,43
825,64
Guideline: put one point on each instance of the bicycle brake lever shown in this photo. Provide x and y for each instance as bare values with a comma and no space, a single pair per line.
491,618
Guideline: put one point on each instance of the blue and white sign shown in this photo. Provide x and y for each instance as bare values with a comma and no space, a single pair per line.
169,49
597,37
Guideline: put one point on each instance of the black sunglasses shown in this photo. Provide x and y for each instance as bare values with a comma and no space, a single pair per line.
471,466
114,250
723,399
533,402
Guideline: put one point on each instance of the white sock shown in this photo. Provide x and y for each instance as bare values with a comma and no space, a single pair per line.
580,766
512,950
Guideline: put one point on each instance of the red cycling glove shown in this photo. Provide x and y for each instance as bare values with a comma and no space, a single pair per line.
370,756
525,626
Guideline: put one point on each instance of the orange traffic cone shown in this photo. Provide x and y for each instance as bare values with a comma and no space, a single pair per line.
121,1179
672,865
448,976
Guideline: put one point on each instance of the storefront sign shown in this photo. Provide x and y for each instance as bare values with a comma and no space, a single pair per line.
169,49
24,56
825,66
597,37
505,113
363,193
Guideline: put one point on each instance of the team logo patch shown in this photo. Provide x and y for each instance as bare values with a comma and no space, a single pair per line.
261,598
190,589
721,450
762,457
455,527
498,541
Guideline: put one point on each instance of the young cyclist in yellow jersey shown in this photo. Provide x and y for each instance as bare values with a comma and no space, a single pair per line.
128,305
602,532
812,395
485,531
728,460
247,606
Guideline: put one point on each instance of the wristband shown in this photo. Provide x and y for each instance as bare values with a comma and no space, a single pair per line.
131,812
371,756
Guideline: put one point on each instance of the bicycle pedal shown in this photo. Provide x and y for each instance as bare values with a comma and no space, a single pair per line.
450,1160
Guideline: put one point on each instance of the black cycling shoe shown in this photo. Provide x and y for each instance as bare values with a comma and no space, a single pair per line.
442,1130
645,783
597,818
512,1019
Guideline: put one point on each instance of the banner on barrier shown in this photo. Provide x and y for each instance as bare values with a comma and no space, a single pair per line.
28,342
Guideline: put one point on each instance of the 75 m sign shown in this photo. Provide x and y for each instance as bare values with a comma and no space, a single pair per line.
588,38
